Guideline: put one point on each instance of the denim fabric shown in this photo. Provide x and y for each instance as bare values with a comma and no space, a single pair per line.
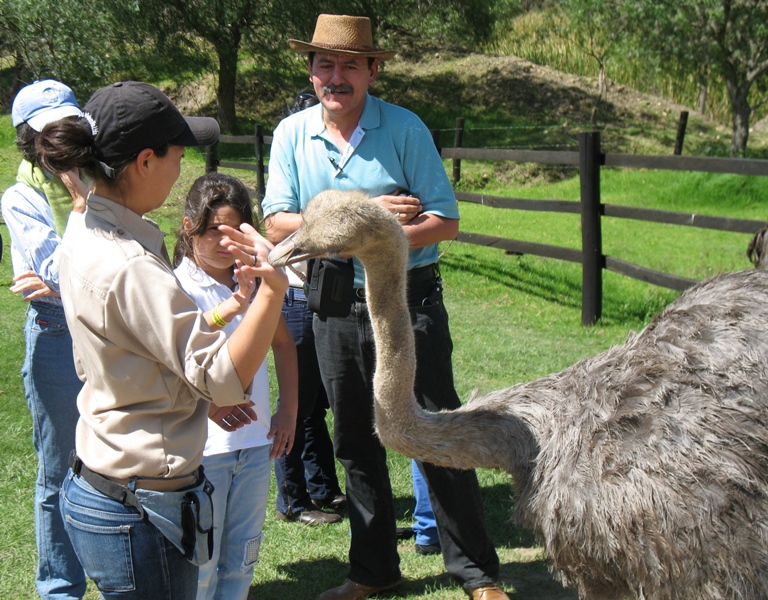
345,348
167,510
308,471
241,488
51,386
129,559
424,523
318,457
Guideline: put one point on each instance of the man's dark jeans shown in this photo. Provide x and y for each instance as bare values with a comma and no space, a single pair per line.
345,349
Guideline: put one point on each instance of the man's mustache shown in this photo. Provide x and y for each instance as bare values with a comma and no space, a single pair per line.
342,88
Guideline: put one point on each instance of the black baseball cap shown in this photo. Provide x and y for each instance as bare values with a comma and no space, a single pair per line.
128,116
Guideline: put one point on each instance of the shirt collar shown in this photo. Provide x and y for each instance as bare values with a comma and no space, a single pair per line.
370,119
202,278
117,216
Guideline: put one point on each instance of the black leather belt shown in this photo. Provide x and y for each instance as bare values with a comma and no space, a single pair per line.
122,493
104,485
416,277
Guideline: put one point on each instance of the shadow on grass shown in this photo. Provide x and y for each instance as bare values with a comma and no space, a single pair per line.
528,580
559,284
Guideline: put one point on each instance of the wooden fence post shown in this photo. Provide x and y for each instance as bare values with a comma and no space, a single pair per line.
457,141
436,139
212,158
681,125
590,159
259,151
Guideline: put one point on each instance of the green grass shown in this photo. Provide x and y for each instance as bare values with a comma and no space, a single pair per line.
513,319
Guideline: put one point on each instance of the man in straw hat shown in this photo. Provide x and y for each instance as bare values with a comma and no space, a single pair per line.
353,141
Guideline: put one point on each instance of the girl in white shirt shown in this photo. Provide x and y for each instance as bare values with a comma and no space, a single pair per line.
238,452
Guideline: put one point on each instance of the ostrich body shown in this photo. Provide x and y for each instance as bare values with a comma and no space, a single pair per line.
643,470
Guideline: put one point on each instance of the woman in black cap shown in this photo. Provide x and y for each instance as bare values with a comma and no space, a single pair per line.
136,504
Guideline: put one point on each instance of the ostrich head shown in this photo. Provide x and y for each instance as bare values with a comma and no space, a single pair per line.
344,224
757,250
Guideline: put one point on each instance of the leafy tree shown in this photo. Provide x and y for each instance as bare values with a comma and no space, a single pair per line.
69,40
228,26
599,28
727,38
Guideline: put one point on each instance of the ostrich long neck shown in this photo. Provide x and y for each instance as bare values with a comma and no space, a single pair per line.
465,438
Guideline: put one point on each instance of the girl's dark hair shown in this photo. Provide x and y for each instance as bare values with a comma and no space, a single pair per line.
63,145
208,193
25,142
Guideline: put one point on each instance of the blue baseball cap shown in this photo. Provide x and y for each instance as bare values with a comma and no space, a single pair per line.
43,102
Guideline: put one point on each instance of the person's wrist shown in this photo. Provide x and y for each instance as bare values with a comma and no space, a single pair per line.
217,318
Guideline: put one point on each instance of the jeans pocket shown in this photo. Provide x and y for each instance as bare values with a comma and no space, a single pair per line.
44,321
105,553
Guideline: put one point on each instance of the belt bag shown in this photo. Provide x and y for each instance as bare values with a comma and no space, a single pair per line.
331,287
184,517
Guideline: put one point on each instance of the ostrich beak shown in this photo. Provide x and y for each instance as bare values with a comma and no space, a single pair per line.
287,253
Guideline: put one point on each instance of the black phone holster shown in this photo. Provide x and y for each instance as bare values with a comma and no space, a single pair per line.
330,289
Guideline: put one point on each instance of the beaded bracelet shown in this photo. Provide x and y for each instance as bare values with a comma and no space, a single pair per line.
217,318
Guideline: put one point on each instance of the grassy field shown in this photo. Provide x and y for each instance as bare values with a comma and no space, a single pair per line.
513,318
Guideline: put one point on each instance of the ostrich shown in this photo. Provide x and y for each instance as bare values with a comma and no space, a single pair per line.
757,251
643,471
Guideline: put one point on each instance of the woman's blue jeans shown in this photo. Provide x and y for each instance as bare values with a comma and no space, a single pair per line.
51,387
240,492
128,558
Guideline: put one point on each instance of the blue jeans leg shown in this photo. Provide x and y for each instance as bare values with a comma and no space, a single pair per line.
241,489
51,386
129,559
424,524
318,457
290,469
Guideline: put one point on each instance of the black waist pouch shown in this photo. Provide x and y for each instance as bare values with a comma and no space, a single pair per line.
330,288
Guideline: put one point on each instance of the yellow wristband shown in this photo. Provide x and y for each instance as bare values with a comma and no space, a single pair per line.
217,319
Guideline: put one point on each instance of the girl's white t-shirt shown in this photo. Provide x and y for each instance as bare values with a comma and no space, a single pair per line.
207,293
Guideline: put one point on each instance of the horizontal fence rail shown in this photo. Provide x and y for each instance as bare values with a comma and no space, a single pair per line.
589,159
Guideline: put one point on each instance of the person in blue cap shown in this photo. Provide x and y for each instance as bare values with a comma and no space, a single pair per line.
35,210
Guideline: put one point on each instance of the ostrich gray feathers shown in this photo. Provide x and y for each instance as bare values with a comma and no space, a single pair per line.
643,470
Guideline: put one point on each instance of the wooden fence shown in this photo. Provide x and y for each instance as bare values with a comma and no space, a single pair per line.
589,159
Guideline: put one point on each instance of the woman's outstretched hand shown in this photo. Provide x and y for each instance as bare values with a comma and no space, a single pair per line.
252,250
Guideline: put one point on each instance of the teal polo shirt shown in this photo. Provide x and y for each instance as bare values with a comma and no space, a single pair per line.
395,153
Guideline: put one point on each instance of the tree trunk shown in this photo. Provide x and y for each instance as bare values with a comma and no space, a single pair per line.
703,88
225,94
18,74
741,115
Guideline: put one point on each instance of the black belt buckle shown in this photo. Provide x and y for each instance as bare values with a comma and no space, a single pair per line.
75,463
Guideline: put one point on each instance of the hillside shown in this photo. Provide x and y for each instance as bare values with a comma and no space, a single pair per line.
508,102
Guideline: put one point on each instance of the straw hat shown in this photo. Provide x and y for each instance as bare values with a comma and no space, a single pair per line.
342,34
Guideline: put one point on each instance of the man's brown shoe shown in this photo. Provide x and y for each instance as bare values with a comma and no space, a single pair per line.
338,503
312,516
349,590
489,592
